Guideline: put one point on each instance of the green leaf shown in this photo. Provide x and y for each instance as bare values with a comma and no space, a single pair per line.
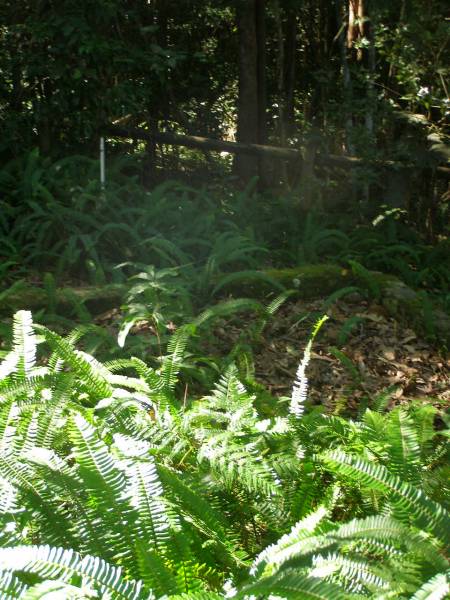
48,562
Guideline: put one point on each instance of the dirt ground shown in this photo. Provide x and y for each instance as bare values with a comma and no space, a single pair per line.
359,352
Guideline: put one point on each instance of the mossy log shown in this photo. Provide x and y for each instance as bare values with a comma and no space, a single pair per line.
63,300
311,281
315,281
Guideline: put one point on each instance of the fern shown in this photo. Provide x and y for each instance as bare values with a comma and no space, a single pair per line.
300,388
11,586
47,562
287,546
89,370
228,307
426,513
294,584
170,364
131,493
24,342
437,588
9,364
404,449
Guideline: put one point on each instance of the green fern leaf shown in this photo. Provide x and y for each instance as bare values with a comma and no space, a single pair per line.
293,584
436,588
176,347
290,544
300,388
358,574
10,586
9,364
155,573
228,307
39,499
145,494
24,342
427,513
48,563
195,507
404,448
86,367
105,482
46,590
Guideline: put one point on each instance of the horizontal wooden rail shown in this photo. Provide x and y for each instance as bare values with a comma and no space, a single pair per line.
288,154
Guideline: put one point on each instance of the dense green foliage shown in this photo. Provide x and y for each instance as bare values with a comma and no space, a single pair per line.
113,485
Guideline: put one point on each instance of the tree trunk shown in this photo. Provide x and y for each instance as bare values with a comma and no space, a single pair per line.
248,114
264,164
280,70
290,48
347,82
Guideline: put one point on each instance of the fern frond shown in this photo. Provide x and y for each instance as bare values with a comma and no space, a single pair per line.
9,364
358,574
195,507
48,562
300,388
10,586
24,342
436,588
404,448
170,365
51,418
293,584
423,418
289,545
39,498
149,375
427,513
105,482
62,482
145,494
155,572
55,589
228,307
85,366
233,464
97,467
229,406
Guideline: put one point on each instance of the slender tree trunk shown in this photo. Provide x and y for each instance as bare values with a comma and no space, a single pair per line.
280,67
290,49
264,165
260,15
248,114
346,78
156,111
371,65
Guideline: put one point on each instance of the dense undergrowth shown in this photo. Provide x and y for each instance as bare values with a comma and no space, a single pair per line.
116,484
177,248
50,220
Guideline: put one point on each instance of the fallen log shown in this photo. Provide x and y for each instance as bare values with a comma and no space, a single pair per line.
63,300
288,154
400,302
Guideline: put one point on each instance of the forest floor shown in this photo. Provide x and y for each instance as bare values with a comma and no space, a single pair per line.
347,368
377,354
